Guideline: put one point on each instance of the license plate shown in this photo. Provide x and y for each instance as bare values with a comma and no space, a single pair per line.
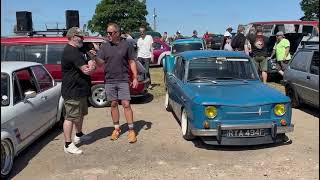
245,132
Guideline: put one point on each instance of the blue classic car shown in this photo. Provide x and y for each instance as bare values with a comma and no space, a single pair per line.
218,96
178,46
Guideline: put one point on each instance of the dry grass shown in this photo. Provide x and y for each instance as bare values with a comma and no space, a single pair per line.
158,84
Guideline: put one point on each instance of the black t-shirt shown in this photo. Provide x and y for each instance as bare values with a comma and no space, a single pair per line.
116,57
259,45
75,83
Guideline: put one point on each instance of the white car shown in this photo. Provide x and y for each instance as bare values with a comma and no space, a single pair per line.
31,103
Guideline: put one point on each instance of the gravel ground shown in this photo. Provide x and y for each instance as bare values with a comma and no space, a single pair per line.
162,153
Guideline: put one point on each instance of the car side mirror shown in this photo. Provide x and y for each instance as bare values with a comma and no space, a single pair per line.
29,94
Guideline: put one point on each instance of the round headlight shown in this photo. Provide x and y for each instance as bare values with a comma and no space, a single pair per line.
210,111
279,109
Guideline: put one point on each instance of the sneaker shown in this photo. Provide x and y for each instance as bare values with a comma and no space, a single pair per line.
72,149
115,134
83,138
132,136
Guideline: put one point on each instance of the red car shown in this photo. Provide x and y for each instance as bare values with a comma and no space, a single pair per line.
48,51
158,48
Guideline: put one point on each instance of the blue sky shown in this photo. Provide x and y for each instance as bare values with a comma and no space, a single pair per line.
173,15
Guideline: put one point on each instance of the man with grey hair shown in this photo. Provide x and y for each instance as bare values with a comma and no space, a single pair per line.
117,55
281,50
75,89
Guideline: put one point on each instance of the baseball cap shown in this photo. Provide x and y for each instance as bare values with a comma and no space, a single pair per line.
280,33
229,27
74,31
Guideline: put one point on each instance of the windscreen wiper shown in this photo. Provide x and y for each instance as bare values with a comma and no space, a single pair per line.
202,79
231,78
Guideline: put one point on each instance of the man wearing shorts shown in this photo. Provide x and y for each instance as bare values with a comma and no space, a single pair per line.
117,55
259,53
75,89
281,50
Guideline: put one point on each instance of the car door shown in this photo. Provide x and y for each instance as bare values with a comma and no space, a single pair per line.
312,85
27,118
299,73
48,93
177,85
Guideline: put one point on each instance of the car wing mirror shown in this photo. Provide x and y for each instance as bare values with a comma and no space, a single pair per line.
29,94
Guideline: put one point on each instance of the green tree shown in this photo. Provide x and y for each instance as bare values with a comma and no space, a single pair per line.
128,14
310,9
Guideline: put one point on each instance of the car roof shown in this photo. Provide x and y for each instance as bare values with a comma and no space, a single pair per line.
41,40
10,66
189,55
286,22
187,40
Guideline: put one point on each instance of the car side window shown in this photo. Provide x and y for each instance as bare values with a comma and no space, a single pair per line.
55,53
26,81
307,29
300,61
2,52
43,78
279,27
14,53
17,95
176,67
314,67
35,53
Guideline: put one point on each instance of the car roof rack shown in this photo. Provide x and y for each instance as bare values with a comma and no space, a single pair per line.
44,33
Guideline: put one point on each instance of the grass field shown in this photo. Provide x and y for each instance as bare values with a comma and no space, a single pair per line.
158,84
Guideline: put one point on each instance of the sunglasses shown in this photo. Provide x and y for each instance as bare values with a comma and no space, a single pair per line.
111,33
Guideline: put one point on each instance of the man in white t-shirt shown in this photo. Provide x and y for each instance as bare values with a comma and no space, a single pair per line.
145,50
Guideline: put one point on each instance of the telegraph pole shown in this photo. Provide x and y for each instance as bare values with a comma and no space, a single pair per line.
154,19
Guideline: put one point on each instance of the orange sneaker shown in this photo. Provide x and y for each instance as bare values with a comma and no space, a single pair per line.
132,136
115,134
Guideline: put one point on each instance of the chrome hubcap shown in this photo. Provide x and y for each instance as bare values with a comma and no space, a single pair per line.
99,97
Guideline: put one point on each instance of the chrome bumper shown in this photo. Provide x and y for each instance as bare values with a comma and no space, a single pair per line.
215,132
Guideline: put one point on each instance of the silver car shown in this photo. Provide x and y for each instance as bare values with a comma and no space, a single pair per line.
31,103
301,78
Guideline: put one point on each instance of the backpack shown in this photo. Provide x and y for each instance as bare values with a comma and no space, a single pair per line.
238,42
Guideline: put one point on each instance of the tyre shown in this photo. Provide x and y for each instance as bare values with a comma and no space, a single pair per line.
167,103
98,96
7,156
293,96
185,126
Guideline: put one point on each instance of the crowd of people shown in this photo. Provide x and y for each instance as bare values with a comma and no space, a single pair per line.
253,44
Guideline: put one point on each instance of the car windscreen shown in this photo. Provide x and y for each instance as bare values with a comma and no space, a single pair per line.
226,69
5,89
178,48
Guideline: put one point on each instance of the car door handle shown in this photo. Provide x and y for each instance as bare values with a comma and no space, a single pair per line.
308,77
44,97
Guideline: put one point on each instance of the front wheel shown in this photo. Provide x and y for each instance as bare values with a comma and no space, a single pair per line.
7,156
98,96
185,126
